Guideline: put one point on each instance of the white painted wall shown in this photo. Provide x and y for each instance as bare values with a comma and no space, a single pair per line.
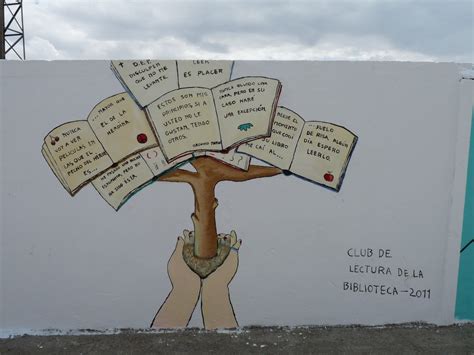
76,263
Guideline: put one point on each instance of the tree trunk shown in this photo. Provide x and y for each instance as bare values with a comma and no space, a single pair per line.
204,219
209,172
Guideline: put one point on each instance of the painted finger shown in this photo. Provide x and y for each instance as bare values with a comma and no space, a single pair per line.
237,245
179,244
191,237
186,235
228,240
233,238
222,238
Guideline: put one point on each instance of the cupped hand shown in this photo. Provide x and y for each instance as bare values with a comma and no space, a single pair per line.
178,307
178,271
226,272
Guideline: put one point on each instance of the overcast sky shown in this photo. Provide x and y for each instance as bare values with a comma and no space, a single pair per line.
430,30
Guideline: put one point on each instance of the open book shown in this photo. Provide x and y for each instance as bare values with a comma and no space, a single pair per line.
78,151
118,183
175,111
147,80
115,129
231,158
315,150
196,119
121,181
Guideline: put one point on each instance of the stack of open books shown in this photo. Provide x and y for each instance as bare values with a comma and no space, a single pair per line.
174,111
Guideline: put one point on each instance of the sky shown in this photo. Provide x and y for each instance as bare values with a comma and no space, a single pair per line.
421,30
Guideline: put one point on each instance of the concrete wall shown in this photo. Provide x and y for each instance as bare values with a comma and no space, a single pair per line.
69,263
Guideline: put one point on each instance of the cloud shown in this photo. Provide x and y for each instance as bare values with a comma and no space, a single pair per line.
40,48
431,30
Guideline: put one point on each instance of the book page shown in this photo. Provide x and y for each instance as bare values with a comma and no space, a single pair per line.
118,183
323,152
78,154
185,121
279,148
53,167
204,73
156,161
146,80
232,158
246,108
121,126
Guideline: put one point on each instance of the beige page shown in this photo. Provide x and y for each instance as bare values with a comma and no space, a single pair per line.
53,166
323,152
156,160
232,158
185,121
121,126
146,79
119,182
78,154
203,73
279,148
246,108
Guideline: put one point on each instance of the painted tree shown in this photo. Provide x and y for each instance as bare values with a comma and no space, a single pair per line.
210,172
132,123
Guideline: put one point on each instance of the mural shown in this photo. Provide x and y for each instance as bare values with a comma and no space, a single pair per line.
171,164
190,122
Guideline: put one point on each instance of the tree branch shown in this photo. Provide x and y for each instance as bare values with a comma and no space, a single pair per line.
178,175
254,172
210,171
199,163
214,171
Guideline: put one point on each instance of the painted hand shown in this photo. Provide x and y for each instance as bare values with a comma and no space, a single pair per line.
226,272
181,276
217,310
177,309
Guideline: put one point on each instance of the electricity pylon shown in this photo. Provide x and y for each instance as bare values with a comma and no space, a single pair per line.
12,34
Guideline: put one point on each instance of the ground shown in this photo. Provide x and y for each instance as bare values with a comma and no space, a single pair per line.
411,338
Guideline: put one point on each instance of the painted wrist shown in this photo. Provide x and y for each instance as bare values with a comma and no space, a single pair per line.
213,289
186,292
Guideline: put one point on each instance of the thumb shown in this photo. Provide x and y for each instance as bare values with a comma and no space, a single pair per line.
176,254
179,245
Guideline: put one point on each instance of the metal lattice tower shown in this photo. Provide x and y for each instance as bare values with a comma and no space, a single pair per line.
13,35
